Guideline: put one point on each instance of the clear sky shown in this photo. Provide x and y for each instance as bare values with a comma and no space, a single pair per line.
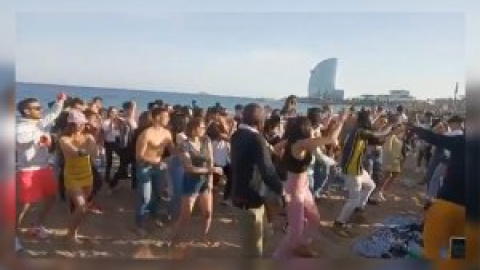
261,54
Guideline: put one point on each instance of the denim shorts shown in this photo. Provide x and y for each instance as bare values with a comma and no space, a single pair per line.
194,184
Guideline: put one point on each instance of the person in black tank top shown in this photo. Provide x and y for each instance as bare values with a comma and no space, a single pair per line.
297,157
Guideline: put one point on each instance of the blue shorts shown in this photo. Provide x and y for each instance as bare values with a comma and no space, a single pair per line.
194,184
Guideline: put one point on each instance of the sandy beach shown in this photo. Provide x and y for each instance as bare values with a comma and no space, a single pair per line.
111,234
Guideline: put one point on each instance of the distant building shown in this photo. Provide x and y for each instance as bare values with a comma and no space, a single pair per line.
400,96
322,81
338,95
394,96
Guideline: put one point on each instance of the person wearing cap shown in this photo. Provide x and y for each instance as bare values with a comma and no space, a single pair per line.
35,178
78,149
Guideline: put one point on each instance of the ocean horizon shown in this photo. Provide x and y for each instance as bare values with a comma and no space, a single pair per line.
46,93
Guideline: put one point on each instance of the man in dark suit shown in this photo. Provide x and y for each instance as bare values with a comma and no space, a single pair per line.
253,174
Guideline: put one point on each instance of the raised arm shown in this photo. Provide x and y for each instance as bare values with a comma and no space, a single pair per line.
328,161
443,141
376,134
53,113
311,144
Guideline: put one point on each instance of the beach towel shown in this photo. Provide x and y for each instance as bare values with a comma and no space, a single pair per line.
400,237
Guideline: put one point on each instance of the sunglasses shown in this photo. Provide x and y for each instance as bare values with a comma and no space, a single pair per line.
36,108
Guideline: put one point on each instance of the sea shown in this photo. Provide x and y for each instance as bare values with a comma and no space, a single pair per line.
46,93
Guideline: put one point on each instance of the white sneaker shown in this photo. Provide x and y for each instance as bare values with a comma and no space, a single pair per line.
381,197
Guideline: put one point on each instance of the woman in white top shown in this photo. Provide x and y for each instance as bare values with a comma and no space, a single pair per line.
111,133
219,134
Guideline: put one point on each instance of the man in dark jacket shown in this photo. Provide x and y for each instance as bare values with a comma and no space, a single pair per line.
253,173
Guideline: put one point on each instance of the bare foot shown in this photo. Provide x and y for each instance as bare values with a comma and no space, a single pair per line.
207,241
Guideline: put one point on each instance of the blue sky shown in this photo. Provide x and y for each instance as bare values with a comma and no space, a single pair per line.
258,54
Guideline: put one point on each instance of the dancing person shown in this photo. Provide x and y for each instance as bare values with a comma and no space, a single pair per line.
436,168
392,160
127,125
252,172
445,218
358,182
290,107
78,149
35,179
276,146
219,133
144,122
298,158
175,166
150,148
94,128
111,131
197,159
374,154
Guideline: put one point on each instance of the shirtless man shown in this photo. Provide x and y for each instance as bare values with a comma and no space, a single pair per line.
150,147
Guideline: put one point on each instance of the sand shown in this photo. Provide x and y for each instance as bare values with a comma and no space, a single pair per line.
112,234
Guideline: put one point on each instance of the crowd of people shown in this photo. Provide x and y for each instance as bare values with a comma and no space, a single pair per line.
267,161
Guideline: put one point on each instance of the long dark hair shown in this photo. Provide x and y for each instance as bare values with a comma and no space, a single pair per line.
363,119
69,130
271,123
192,125
298,128
179,124
289,105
